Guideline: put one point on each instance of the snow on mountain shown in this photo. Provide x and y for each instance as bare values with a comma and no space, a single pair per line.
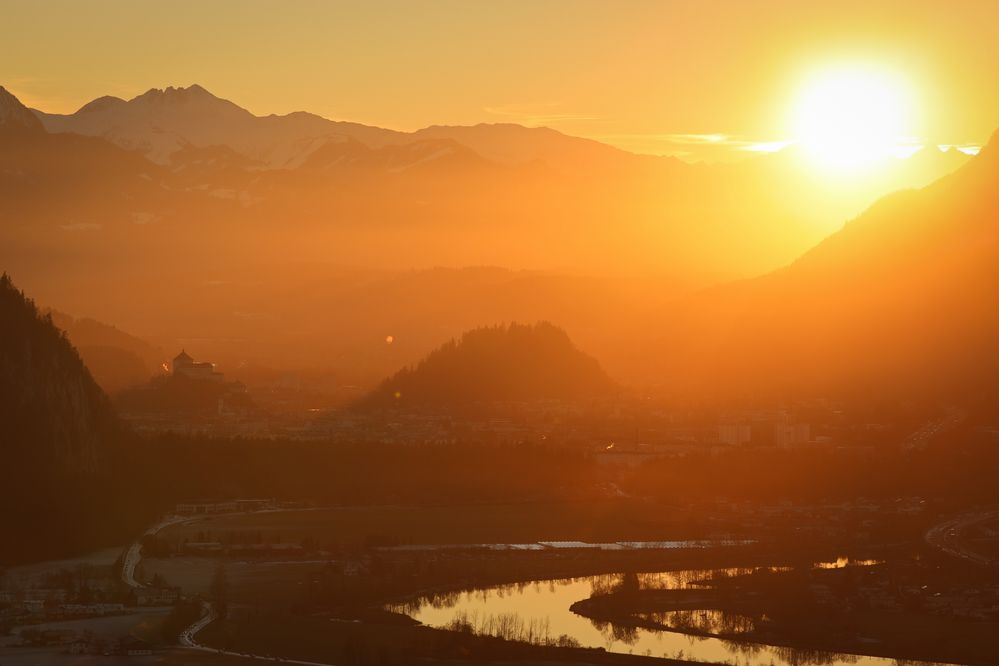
161,122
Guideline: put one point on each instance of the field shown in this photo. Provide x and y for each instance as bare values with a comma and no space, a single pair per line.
34,574
143,623
249,582
57,656
352,527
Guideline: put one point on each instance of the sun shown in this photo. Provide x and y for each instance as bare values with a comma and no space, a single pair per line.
849,119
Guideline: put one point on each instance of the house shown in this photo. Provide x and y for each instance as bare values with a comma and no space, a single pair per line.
90,609
205,506
254,504
204,548
33,607
185,366
54,595
156,596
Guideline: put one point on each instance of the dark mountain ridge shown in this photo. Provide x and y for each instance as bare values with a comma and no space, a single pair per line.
54,414
14,116
115,358
61,443
515,363
905,298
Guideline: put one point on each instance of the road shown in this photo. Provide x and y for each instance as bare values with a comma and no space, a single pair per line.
930,430
187,638
134,553
948,536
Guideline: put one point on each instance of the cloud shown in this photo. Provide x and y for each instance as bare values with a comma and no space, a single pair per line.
695,139
766,146
716,146
966,148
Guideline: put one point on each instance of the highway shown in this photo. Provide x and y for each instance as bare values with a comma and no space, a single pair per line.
919,439
948,536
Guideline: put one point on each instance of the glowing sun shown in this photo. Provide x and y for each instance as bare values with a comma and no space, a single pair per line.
850,118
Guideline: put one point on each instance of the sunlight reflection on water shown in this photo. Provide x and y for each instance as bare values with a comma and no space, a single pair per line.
538,611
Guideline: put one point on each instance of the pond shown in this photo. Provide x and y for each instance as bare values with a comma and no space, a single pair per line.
538,612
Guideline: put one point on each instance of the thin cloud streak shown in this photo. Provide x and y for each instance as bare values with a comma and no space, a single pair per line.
538,114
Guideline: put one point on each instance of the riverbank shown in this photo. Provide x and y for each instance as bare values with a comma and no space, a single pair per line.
775,609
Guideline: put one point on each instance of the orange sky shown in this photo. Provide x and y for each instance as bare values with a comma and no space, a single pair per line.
636,74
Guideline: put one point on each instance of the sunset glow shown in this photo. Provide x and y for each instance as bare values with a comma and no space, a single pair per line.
853,118
564,332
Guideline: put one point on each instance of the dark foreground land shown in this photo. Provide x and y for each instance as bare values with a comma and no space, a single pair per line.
902,608
333,611
333,585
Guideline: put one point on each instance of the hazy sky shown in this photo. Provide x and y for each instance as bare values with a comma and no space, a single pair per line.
632,73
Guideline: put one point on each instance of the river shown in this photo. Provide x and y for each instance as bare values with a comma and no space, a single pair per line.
539,612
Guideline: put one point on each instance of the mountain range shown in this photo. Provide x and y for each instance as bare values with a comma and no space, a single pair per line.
160,124
181,216
209,171
904,300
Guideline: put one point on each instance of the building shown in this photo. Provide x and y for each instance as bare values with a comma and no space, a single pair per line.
156,596
254,504
91,609
56,596
734,434
185,366
197,507
33,607
787,435
203,547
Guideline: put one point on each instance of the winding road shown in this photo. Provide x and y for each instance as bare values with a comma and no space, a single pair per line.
948,537
134,553
187,637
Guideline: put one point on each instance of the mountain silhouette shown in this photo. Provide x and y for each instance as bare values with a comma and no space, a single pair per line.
902,299
96,227
515,363
504,194
56,419
161,122
115,358
70,477
511,144
14,116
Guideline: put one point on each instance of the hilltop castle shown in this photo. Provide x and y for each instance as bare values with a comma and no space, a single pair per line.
185,366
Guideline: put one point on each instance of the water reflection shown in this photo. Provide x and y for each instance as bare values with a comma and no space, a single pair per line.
700,621
843,562
538,612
